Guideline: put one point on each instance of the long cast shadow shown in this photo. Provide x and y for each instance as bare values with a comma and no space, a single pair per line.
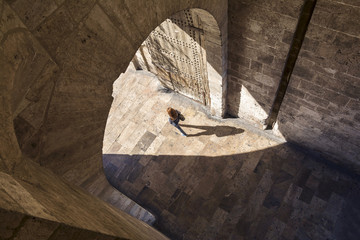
219,131
268,185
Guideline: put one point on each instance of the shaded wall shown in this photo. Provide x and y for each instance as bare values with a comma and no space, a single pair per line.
87,46
321,108
58,61
257,53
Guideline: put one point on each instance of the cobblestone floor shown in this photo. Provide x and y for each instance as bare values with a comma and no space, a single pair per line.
223,181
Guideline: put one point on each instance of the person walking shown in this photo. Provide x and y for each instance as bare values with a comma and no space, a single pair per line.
175,117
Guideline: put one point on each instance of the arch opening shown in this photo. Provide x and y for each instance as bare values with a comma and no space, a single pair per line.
186,52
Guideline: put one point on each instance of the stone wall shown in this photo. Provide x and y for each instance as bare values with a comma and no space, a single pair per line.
257,53
59,58
321,108
60,106
58,61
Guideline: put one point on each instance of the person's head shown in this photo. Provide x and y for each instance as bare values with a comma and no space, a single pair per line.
172,113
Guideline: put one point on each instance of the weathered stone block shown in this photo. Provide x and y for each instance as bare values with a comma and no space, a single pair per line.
33,13
10,221
264,79
9,19
353,105
316,100
336,98
36,228
272,72
55,29
266,59
79,9
345,20
294,91
312,88
256,66
238,59
287,37
28,71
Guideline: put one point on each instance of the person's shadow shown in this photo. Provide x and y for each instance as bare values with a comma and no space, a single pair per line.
219,131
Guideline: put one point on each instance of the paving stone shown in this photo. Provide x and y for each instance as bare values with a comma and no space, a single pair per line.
144,143
275,230
302,177
284,212
306,195
312,182
228,202
325,189
202,187
146,195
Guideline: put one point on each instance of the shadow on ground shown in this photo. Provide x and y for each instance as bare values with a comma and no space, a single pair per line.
219,131
273,193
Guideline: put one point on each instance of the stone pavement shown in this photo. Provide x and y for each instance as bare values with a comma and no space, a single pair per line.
225,180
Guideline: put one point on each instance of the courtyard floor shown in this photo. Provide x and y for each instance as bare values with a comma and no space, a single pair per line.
227,179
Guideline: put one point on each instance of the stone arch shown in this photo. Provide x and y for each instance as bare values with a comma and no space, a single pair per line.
78,49
185,52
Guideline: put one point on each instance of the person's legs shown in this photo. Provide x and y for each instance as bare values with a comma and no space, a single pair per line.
180,129
175,124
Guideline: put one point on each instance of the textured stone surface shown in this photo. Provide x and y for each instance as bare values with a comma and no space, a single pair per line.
176,52
325,86
16,225
257,53
9,222
318,111
38,193
202,187
58,62
186,53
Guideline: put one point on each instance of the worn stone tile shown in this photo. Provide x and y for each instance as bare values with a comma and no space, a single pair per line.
179,203
284,212
335,205
228,202
275,230
144,143
325,189
303,177
306,195
288,233
292,194
205,188
312,182
146,195
212,229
